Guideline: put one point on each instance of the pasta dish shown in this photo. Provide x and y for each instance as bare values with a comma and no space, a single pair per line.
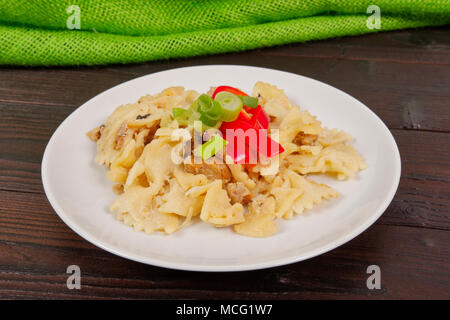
223,158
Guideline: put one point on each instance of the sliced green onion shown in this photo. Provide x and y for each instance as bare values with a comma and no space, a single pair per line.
180,113
250,102
214,111
194,105
206,105
209,120
231,105
195,116
211,147
202,127
210,111
198,126
217,126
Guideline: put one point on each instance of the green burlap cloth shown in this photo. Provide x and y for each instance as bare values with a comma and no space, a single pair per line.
35,32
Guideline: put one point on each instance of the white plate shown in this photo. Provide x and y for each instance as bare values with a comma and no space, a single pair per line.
80,192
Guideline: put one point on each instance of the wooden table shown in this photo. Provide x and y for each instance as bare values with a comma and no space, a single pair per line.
403,76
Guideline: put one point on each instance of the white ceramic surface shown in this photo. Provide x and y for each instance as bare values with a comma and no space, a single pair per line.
80,192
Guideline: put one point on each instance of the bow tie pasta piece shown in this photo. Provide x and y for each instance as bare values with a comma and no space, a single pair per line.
330,137
176,201
116,132
157,160
313,192
152,168
189,180
285,198
167,131
146,121
113,138
273,100
341,160
122,163
137,201
157,221
217,208
197,191
137,208
238,173
305,163
314,150
166,99
296,121
136,175
259,220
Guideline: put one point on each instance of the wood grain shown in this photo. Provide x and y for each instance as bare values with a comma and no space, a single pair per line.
402,76
412,261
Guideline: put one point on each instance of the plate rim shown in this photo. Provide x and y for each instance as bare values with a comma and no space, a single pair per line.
381,208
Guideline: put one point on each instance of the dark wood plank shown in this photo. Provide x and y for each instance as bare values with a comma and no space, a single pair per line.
20,176
51,86
414,263
24,125
423,196
30,216
420,46
24,132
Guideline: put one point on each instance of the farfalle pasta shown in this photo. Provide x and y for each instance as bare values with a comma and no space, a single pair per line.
138,144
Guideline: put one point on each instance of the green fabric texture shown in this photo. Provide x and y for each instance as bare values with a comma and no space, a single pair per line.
35,32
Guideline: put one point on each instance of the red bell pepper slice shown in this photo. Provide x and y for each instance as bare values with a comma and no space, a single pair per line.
265,145
228,89
234,91
268,147
258,120
239,156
